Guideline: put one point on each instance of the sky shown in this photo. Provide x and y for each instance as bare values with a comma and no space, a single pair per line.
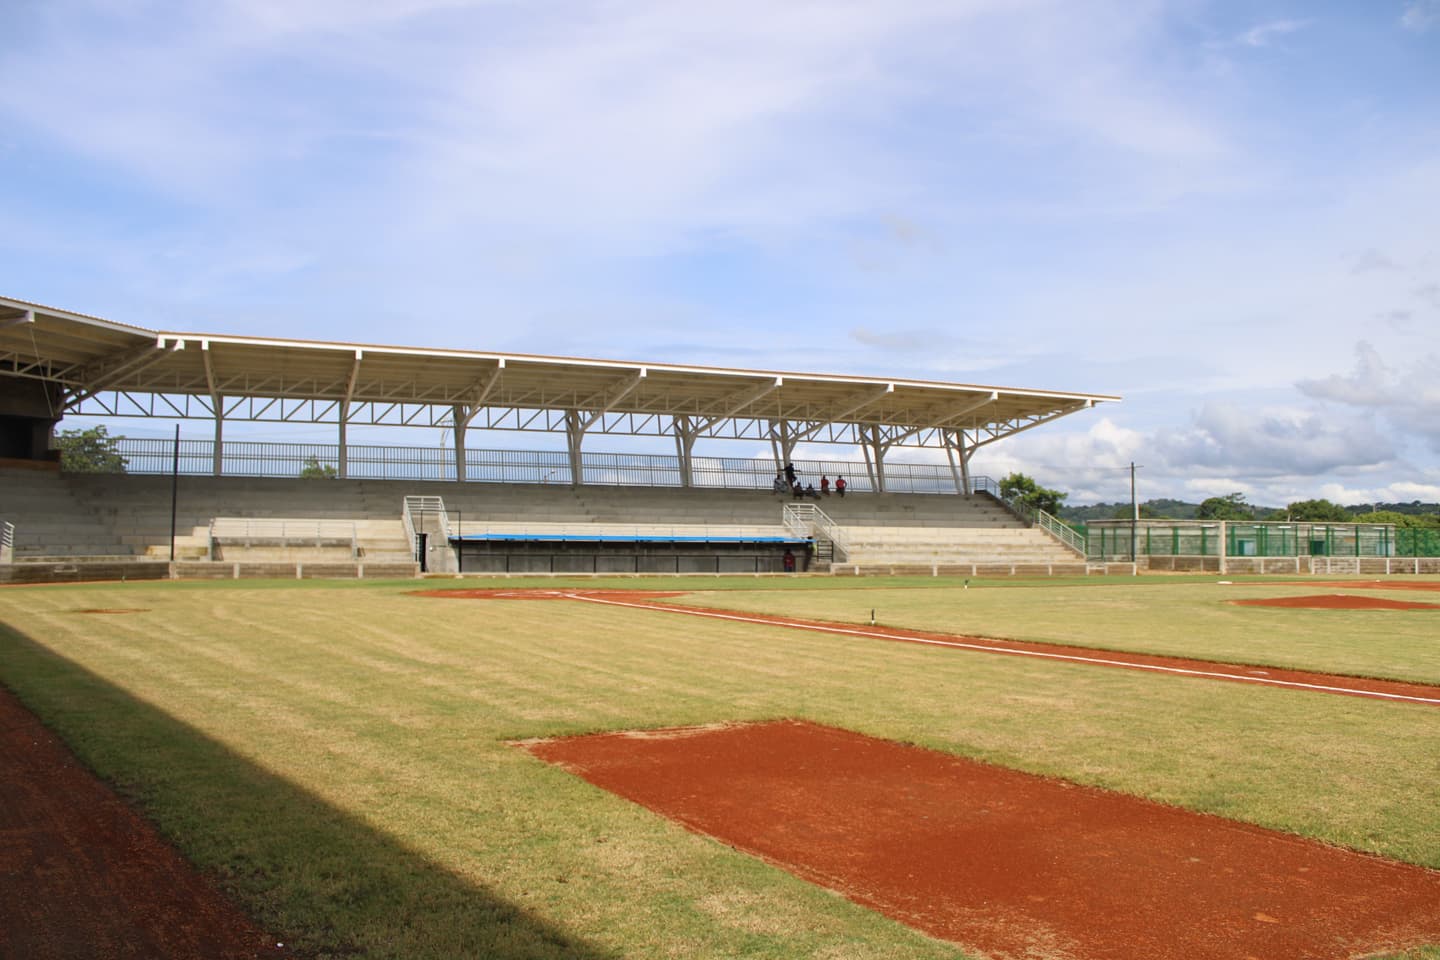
1228,213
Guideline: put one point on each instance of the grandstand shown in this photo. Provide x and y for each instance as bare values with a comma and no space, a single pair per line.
218,507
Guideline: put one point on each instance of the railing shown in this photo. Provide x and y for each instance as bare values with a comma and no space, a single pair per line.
247,530
638,531
243,458
808,520
1034,516
7,542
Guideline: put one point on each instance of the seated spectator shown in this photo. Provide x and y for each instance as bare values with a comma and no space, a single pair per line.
810,491
824,486
840,486
798,491
779,486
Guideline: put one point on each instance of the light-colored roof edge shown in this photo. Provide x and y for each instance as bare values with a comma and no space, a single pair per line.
403,351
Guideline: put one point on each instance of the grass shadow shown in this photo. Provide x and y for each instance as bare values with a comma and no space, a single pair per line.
330,885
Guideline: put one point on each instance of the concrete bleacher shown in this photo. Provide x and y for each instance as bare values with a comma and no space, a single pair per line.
129,516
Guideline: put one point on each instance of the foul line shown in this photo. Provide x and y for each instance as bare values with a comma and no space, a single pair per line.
987,648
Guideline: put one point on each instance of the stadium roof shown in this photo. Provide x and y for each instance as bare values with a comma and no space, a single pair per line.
101,368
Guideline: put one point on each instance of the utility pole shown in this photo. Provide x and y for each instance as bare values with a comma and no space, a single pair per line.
1134,524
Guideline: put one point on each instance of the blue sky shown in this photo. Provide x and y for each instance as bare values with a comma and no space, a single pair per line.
1228,213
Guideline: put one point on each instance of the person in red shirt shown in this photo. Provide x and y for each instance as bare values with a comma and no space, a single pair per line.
840,486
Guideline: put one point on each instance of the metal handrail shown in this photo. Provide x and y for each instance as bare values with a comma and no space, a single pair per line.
808,520
243,458
1035,517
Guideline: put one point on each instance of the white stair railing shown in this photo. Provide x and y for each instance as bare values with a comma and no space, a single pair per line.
7,542
808,520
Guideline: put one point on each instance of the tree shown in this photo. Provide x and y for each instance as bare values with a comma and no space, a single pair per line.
1229,507
315,470
1318,511
1026,491
90,451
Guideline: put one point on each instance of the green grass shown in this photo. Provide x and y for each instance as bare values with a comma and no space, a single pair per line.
1189,618
336,754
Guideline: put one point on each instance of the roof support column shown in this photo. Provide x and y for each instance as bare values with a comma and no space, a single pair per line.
780,434
875,465
459,416
217,403
574,436
684,449
343,464
962,474
219,446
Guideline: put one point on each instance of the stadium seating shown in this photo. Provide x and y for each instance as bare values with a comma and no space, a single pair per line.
92,515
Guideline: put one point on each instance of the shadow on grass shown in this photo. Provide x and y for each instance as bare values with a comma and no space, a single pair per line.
317,877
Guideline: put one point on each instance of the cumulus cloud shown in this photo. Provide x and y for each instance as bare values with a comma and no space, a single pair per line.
1229,439
1408,396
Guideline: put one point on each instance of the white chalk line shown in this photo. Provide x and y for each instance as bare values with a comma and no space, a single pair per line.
987,648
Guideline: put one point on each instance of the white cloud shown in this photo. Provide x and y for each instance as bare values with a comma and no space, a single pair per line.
1372,260
1261,35
1420,15
1408,396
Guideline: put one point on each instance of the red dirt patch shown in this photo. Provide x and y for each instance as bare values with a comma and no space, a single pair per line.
1337,601
81,875
1009,863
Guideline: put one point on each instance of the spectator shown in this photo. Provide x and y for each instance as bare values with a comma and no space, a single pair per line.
779,486
810,491
789,561
797,491
824,486
790,473
840,486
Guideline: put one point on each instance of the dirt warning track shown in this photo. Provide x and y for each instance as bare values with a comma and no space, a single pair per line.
82,875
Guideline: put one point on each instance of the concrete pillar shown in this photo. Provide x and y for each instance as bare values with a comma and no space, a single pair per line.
459,416
574,436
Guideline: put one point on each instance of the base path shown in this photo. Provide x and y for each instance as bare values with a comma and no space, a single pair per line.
81,875
1391,690
1011,864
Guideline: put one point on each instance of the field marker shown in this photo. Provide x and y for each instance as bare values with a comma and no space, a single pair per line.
987,648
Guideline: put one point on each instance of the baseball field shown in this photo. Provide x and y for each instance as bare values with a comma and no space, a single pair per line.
362,769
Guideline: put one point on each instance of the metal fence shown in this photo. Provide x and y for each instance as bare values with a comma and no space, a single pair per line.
364,462
1115,539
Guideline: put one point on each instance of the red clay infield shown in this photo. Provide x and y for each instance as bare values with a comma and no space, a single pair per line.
1011,864
82,876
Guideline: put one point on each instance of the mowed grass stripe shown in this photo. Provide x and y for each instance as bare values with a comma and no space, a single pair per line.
1184,619
387,714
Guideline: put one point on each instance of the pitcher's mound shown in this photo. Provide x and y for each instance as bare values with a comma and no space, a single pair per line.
1337,601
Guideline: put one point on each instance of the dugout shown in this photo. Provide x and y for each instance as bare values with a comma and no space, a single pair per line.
653,554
